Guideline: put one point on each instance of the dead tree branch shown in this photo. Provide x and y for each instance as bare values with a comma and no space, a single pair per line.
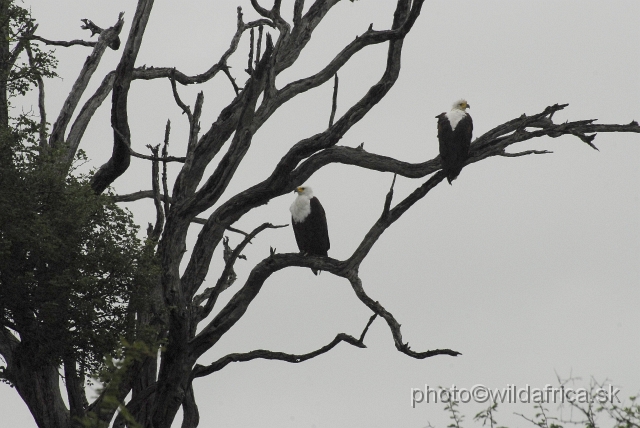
86,113
91,64
165,155
120,157
281,180
224,281
394,326
154,158
185,108
334,101
483,147
154,233
525,153
63,43
200,371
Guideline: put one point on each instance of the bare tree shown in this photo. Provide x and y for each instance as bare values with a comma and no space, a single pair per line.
183,314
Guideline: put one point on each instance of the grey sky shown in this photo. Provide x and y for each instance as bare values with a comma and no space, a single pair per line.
528,266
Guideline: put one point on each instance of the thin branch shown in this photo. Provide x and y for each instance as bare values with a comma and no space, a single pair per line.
176,96
236,89
63,43
136,196
232,229
366,328
334,102
154,233
148,194
259,46
389,197
200,371
165,154
194,125
154,158
249,69
524,153
394,326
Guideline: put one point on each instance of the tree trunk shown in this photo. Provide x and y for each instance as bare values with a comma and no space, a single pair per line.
39,387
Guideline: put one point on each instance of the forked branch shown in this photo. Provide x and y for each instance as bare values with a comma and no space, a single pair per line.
200,371
224,281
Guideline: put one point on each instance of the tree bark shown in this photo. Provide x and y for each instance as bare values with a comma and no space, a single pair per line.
120,156
39,387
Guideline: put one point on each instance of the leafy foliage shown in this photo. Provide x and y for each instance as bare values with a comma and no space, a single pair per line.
24,75
70,261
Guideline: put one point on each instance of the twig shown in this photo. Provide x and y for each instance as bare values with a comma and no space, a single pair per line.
154,233
366,328
185,108
165,155
389,197
147,157
526,152
334,102
259,47
249,69
152,158
231,79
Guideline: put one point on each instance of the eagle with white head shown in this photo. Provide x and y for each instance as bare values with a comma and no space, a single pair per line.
454,134
309,224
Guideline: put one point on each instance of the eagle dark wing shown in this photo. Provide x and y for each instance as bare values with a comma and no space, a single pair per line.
300,235
445,137
454,144
465,132
321,233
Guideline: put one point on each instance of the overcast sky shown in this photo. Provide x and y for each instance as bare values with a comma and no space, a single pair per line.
528,266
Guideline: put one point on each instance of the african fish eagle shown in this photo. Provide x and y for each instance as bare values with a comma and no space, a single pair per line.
309,224
454,134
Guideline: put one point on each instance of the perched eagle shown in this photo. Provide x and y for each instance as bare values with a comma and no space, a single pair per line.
454,134
309,224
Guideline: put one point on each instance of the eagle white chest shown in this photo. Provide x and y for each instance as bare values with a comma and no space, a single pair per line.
454,117
300,208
